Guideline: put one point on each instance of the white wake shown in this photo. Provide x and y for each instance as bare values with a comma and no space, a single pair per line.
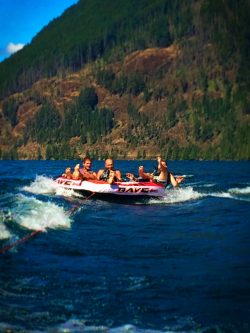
34,214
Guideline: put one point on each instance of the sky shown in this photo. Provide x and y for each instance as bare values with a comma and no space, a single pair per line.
21,20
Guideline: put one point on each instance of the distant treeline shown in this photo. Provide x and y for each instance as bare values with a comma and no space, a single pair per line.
95,28
81,119
108,31
85,121
90,29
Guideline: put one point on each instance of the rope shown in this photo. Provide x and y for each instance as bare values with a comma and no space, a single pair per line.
74,208
35,232
22,240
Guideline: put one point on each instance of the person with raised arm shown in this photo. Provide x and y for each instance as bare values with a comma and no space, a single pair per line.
77,174
160,175
67,174
86,171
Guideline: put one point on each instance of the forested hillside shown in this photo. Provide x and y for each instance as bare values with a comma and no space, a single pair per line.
132,79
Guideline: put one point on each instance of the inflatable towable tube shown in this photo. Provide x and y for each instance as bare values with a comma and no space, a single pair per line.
126,189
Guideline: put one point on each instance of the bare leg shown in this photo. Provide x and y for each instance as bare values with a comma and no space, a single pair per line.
175,181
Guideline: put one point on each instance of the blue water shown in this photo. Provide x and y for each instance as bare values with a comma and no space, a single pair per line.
178,264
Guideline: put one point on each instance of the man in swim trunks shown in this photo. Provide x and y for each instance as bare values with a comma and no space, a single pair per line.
86,171
109,174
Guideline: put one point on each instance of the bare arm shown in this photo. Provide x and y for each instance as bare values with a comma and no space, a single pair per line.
110,180
118,175
114,174
91,176
99,173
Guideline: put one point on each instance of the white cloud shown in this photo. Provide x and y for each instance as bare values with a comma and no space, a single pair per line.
12,48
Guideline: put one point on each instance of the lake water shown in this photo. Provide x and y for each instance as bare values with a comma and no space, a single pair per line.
178,264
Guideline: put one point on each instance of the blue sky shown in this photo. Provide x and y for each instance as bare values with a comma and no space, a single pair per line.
21,20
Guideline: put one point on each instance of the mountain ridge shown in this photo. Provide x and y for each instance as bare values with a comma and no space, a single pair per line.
154,90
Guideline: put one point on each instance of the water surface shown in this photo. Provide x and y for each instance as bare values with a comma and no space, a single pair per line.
177,264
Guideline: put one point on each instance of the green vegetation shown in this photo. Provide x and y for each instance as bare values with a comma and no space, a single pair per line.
10,107
82,119
196,105
115,28
132,84
44,127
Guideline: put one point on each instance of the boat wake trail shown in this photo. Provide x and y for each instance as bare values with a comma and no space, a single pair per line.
242,194
5,217
34,214
181,325
184,194
178,195
4,232
45,185
41,185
